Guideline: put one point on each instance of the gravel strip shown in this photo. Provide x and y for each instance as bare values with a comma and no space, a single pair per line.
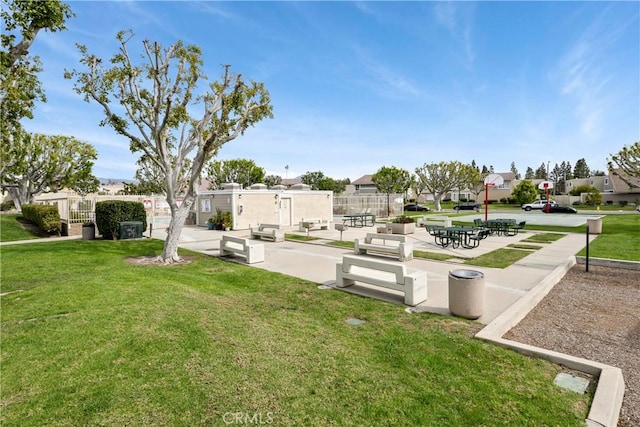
594,315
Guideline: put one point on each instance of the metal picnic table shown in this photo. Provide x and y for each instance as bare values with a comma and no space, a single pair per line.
359,220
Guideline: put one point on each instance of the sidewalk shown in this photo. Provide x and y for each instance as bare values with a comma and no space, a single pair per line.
315,261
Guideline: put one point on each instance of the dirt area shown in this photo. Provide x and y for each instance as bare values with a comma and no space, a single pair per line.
594,315
156,260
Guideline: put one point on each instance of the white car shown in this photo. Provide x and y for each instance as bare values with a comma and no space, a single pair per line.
538,204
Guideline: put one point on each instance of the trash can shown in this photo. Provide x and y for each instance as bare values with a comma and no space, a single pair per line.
595,225
88,231
466,293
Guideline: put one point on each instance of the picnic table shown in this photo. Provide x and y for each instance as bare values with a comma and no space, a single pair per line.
455,236
499,226
359,220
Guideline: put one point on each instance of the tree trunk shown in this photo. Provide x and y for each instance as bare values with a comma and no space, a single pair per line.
436,199
20,195
178,218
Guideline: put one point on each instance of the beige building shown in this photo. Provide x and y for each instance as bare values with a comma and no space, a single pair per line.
259,205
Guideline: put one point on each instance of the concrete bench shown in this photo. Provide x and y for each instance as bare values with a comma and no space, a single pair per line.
313,223
385,274
268,231
230,245
444,221
390,244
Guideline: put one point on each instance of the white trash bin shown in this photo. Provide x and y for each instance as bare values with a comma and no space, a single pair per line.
466,293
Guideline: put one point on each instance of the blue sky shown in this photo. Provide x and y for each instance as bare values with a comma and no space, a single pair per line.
360,85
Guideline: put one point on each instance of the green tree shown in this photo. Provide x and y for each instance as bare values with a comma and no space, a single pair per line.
417,186
390,180
524,192
312,179
627,160
48,164
242,171
514,170
529,174
272,180
149,178
541,172
444,177
581,170
593,197
157,98
86,184
580,189
20,87
318,181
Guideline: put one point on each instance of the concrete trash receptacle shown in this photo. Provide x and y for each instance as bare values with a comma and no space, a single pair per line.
88,231
466,293
595,225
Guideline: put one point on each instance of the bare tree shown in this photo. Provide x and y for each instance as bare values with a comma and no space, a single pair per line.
157,99
444,177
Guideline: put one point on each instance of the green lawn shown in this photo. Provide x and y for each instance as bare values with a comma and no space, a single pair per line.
620,238
11,229
91,339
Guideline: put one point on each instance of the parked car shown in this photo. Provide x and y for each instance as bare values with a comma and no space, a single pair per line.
638,208
416,207
467,206
538,204
556,208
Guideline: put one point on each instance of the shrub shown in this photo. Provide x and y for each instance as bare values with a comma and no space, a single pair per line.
623,203
7,205
403,219
110,213
594,197
46,217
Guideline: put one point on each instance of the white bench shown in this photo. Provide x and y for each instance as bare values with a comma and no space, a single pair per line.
313,223
268,231
391,244
230,245
444,221
385,274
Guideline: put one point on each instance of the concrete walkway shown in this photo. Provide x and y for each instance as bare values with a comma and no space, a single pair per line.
315,261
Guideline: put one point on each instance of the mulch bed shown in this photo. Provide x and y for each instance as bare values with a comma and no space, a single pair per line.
594,315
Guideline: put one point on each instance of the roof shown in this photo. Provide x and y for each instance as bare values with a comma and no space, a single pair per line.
291,181
507,176
619,184
363,180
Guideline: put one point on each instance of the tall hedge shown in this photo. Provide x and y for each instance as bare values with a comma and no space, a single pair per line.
46,217
110,213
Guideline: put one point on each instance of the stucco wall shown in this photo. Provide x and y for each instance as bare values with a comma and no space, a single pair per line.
253,207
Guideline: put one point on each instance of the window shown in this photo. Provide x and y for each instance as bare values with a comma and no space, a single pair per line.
205,205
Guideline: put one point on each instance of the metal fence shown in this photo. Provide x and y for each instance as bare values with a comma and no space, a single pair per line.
375,204
76,209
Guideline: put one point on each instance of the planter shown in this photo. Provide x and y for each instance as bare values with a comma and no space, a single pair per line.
210,226
466,293
407,228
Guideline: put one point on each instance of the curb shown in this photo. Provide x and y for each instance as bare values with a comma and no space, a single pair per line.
607,400
607,262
